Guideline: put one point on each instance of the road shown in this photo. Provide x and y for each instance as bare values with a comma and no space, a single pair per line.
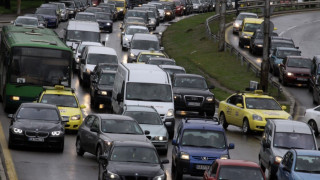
39,164
303,29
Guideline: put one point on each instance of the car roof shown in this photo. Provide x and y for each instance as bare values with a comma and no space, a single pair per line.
27,17
233,162
281,41
291,126
39,105
86,13
140,108
101,50
136,27
255,95
147,37
303,152
60,92
152,53
90,43
288,49
188,75
248,13
114,117
201,123
83,26
133,144
253,20
166,66
108,72
298,57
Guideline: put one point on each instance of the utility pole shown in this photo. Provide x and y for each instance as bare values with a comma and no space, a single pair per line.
266,42
222,25
217,6
18,7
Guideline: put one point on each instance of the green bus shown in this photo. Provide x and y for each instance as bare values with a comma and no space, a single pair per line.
31,58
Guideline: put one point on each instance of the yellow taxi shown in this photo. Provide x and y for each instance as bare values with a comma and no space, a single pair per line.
144,56
249,26
67,102
121,6
250,111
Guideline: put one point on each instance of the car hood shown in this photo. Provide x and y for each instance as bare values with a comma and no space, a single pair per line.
137,51
128,36
258,41
279,151
161,107
105,87
191,91
135,169
208,152
90,66
104,21
126,137
278,60
41,125
68,111
307,176
298,70
155,130
238,22
46,16
272,114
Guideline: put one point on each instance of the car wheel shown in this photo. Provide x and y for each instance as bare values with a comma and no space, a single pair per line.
98,152
314,127
101,172
271,173
61,147
173,169
245,126
223,121
79,149
177,175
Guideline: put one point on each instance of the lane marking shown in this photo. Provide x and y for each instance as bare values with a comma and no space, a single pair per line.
311,22
287,30
11,171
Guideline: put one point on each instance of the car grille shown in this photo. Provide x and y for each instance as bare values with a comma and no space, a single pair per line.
36,134
135,178
302,75
193,98
204,158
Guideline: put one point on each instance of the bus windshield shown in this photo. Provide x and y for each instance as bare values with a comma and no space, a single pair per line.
26,63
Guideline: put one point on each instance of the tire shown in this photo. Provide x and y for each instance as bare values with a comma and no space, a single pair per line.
314,127
100,173
223,121
246,126
271,173
314,99
79,149
61,148
98,152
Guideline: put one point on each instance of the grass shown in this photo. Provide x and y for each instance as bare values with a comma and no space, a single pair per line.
25,4
187,43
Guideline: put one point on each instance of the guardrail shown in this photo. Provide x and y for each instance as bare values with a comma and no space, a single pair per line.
296,7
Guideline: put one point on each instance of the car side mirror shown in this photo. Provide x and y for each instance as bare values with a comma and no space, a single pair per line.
122,33
82,106
174,142
103,159
212,87
161,48
283,107
165,161
265,144
83,61
119,97
239,105
231,146
93,129
146,132
297,47
10,116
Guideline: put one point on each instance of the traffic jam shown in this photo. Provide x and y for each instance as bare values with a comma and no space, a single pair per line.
144,104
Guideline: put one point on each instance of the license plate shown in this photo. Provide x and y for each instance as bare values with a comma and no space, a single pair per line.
302,79
193,104
36,139
202,167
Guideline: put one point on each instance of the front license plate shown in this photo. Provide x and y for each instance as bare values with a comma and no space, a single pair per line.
202,167
193,104
302,79
36,139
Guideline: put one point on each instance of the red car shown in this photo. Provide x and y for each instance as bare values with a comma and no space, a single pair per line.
180,8
295,70
95,2
234,170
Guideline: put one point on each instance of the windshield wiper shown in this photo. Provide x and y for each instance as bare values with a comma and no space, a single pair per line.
158,100
283,147
210,147
189,145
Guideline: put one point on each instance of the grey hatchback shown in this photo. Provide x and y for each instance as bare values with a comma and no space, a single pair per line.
98,131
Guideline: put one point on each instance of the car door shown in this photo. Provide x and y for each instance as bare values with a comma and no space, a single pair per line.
84,131
175,149
228,109
265,153
237,112
93,137
285,167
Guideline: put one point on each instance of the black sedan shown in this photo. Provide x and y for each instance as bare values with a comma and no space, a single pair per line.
191,93
105,21
37,124
132,160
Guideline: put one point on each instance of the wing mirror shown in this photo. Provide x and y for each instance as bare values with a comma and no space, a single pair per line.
283,107
231,146
174,142
239,105
93,129
146,132
10,116
165,161
82,106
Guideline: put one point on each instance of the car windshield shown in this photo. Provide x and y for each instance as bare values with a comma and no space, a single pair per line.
145,57
251,27
149,92
310,164
145,45
151,14
85,17
240,173
101,58
142,117
60,100
132,31
141,14
262,103
27,21
190,82
69,4
38,113
47,11
299,63
242,16
259,35
195,1
293,141
134,154
107,79
280,44
174,71
103,16
74,35
111,67
161,62
133,20
120,126
203,138
284,53
119,3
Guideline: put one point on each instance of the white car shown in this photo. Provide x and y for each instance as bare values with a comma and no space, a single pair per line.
312,117
238,22
79,49
128,32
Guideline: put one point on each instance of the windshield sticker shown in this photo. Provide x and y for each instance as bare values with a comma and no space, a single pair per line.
21,80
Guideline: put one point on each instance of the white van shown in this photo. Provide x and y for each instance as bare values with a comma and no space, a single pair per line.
145,85
78,31
92,56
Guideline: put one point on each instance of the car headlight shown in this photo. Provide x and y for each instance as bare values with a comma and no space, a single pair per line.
256,117
209,99
56,133
126,39
104,93
178,9
278,159
160,138
108,24
196,6
177,96
170,113
168,13
289,74
88,71
161,177
17,131
236,25
112,175
78,60
71,12
259,45
132,55
121,9
224,156
108,143
184,7
245,36
184,156
76,117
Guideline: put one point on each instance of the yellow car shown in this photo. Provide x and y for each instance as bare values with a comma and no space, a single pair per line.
67,102
121,6
250,110
249,26
144,56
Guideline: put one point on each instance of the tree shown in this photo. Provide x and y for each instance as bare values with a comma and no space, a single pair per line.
7,4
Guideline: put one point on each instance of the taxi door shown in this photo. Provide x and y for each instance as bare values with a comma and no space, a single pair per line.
237,112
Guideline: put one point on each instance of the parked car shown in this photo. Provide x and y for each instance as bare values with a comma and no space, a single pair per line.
278,137
197,144
50,15
234,170
295,70
277,56
299,164
37,124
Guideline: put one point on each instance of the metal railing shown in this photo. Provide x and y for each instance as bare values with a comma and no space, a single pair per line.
278,8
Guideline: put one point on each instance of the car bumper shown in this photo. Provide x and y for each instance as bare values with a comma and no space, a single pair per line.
296,79
187,167
182,106
22,140
244,41
120,15
160,145
73,124
105,27
106,100
51,23
257,125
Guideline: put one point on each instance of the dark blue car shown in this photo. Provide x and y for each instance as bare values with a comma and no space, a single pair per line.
50,15
197,144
